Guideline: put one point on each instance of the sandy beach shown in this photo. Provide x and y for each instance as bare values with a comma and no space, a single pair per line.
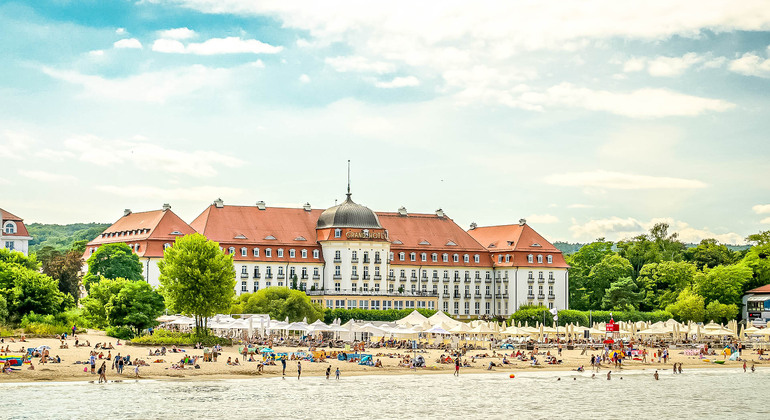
70,370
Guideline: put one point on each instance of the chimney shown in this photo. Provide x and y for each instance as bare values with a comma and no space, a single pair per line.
402,211
126,212
166,206
522,222
440,213
307,207
474,225
261,205
219,203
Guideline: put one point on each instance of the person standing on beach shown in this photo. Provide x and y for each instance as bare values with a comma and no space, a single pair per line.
680,367
103,372
93,363
656,376
337,373
328,372
457,366
299,369
283,363
608,375
744,366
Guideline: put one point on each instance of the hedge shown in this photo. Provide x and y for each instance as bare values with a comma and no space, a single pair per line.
346,315
173,338
534,314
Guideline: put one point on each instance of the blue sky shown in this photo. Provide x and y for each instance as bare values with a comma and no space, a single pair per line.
592,119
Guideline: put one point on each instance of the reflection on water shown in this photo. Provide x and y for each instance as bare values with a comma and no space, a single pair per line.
695,394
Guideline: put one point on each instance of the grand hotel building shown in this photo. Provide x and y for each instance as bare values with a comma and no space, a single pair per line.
349,256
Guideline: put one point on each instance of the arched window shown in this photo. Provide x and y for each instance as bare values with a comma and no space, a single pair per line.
244,252
456,258
232,250
466,258
9,227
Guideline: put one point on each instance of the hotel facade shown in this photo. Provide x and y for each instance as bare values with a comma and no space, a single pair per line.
349,256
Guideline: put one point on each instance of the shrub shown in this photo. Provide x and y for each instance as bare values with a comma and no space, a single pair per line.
568,316
170,338
530,314
44,329
583,317
122,333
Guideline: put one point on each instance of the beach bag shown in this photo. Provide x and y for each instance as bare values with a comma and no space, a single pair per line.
85,369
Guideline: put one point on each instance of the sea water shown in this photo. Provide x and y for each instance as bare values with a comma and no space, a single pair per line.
695,394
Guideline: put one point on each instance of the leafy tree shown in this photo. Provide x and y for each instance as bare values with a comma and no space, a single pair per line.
662,282
19,259
63,237
63,267
689,306
603,274
113,261
655,247
281,302
761,238
3,309
622,295
758,259
197,278
26,290
294,282
719,312
95,304
581,263
709,254
531,314
724,283
136,305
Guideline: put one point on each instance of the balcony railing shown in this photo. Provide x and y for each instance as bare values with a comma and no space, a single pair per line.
467,295
366,277
551,296
488,296
530,280
446,294
280,277
377,277
551,281
257,275
435,279
268,276
477,295
244,275
354,260
350,292
316,277
530,296
402,278
540,296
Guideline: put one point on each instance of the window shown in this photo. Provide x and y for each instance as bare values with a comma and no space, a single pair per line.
366,257
549,259
539,259
9,245
268,252
434,257
280,252
446,306
476,258
166,245
354,256
292,253
390,256
280,270
486,308
377,257
529,290
315,271
315,253
507,258
231,250
423,257
550,290
457,308
467,308
550,275
476,307
413,256
337,233
243,287
337,271
256,252
244,252
456,258
445,257
354,270
336,287
304,253
337,255
539,290
403,274
529,258
499,259
401,256
10,227
377,270
466,258
376,287
550,305
244,270
353,286
446,289
531,276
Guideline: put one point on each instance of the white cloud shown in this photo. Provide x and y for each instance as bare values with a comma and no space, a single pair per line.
304,43
177,33
131,43
398,82
359,64
215,46
184,194
761,208
120,31
643,103
43,176
148,156
751,65
620,181
304,78
765,221
542,219
96,53
580,206
672,66
634,64
15,144
157,86
616,228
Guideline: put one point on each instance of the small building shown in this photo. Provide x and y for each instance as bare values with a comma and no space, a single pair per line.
756,305
14,235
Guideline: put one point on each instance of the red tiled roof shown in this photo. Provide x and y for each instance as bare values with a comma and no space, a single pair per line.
427,231
228,224
519,241
21,230
161,225
761,289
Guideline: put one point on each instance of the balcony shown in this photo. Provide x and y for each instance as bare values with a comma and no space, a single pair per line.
477,295
354,260
413,279
505,295
467,279
337,277
391,278
366,277
257,275
446,279
435,279
338,260
530,280
268,276
457,279
541,280
530,296
244,275
551,296
467,295
280,276
551,281
303,277
540,296
316,277
377,261
446,295
377,277
488,296
402,278
477,280
456,295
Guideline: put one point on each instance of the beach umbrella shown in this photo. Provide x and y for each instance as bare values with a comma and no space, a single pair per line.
438,330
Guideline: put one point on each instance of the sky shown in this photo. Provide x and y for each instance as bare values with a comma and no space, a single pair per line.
589,119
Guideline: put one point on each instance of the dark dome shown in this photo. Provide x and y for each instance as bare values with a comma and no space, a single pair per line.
348,215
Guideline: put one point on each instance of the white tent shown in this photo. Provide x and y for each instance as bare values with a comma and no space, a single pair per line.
460,328
442,318
414,318
437,330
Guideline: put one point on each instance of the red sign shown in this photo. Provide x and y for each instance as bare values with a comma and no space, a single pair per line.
612,327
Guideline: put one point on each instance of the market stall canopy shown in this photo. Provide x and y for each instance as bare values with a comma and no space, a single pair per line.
442,318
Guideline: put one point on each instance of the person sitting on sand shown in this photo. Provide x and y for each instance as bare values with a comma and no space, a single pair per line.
229,361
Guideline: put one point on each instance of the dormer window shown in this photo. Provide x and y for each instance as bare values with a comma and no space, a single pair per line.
280,252
499,259
476,258
401,256
445,257
315,253
166,245
256,252
456,258
530,258
434,257
413,256
304,253
423,257
231,250
549,259
539,259
9,227
337,233
466,258
507,258
268,252
244,252
292,253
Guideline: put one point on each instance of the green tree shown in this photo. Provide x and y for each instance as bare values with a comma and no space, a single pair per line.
3,310
197,278
281,302
622,295
656,247
95,304
689,306
136,305
719,312
26,290
580,264
603,274
758,259
709,254
724,283
761,238
113,261
531,314
64,267
662,282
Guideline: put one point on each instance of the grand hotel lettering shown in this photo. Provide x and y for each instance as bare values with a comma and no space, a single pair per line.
365,234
